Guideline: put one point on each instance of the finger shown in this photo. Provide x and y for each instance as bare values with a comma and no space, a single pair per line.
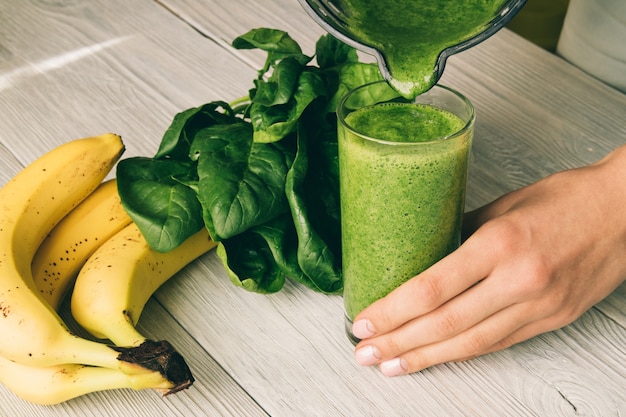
528,331
470,343
457,315
544,316
427,291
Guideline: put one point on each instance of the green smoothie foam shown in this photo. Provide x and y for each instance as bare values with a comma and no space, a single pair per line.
415,190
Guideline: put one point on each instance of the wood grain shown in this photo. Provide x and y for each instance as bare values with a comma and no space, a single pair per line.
72,68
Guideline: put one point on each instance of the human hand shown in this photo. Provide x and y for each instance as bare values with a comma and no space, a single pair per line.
538,259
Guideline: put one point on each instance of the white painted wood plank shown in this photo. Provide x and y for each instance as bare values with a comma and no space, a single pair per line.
543,118
223,20
288,350
615,306
99,66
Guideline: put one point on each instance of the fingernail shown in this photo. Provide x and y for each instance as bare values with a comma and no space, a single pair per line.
394,367
367,355
363,329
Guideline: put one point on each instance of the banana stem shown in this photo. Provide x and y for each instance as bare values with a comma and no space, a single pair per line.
160,356
147,358
127,335
96,354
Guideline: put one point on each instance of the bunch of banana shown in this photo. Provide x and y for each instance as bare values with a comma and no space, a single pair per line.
115,271
35,340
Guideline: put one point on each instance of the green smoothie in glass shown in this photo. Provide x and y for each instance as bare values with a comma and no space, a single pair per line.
403,170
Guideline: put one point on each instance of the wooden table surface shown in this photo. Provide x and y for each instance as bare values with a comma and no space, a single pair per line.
75,68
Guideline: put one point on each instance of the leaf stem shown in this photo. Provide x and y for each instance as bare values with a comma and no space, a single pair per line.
240,103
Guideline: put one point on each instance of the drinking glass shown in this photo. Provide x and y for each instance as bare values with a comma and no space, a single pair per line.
402,186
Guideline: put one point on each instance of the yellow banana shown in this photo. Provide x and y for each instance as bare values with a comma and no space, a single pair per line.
31,204
116,282
59,383
64,251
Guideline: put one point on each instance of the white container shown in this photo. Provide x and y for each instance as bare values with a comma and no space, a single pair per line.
594,39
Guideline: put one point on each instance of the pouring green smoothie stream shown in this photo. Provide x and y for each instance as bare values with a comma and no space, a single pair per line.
404,143
412,39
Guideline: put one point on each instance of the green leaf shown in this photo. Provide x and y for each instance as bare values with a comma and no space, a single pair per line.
318,247
249,263
330,52
241,183
349,77
273,123
280,237
277,43
260,259
269,40
323,170
153,193
279,88
179,135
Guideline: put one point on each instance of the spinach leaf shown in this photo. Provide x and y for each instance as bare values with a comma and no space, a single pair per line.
331,52
178,137
318,234
276,241
350,76
277,43
249,263
281,239
273,123
241,183
155,196
279,88
262,258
